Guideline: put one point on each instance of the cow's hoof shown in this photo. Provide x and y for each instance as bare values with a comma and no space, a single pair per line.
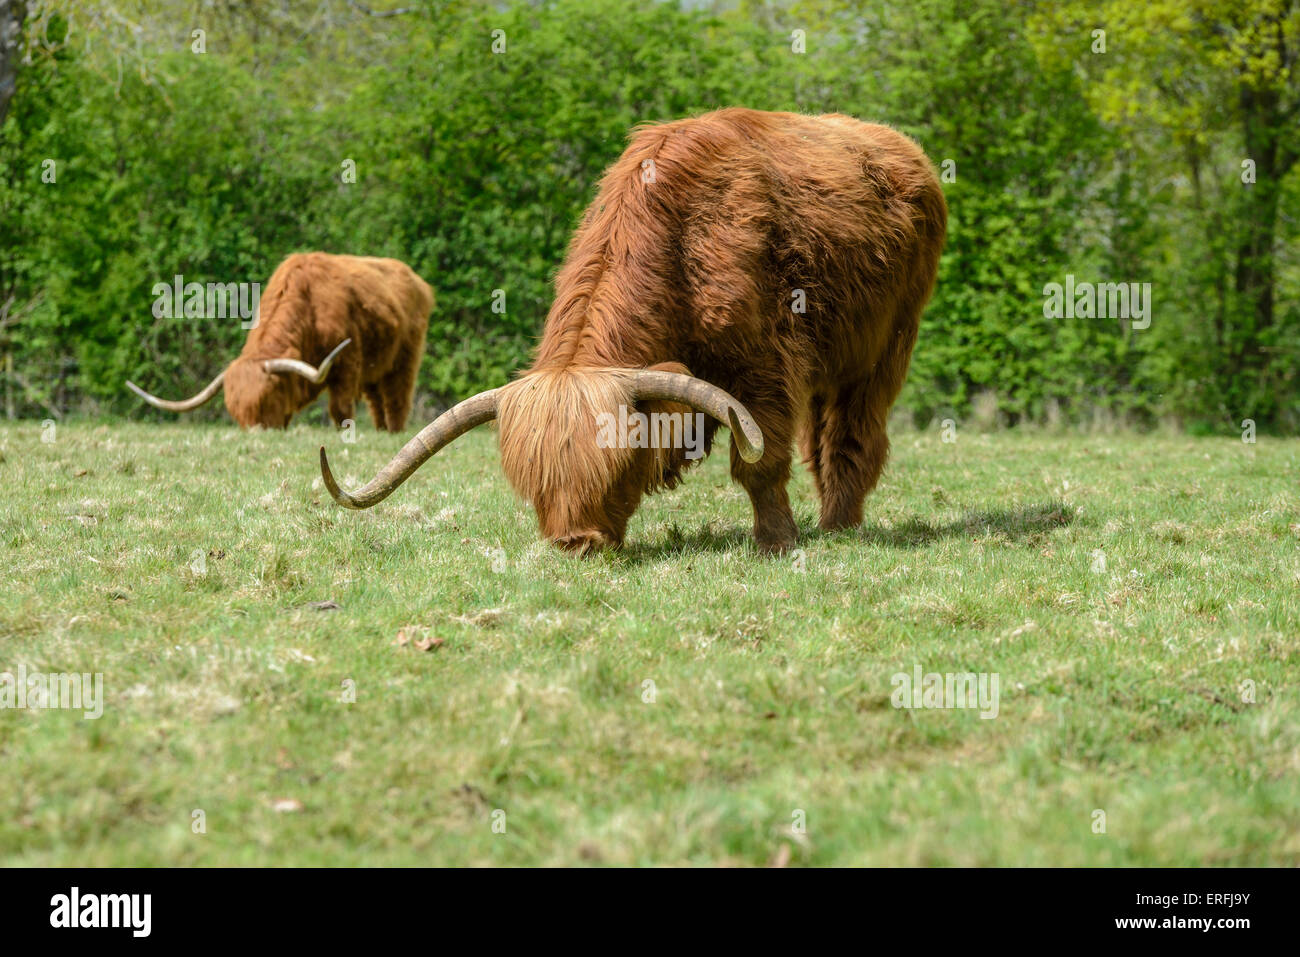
775,547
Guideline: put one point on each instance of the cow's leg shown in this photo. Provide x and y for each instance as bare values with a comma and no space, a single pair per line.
375,401
345,388
853,444
765,481
850,454
342,410
810,441
398,390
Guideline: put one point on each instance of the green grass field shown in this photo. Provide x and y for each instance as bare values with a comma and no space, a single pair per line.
1133,594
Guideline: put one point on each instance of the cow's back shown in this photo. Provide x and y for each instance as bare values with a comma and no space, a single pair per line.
809,230
744,241
314,300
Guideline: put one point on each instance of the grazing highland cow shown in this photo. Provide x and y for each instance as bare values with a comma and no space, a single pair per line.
314,306
767,269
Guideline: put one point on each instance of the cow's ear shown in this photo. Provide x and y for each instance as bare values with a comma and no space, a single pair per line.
685,437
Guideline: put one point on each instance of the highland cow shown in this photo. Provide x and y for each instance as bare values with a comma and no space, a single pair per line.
365,316
768,269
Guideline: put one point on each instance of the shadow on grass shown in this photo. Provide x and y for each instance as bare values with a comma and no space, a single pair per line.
707,539
1021,522
1024,522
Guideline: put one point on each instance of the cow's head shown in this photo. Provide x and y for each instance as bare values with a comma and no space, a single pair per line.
581,445
265,392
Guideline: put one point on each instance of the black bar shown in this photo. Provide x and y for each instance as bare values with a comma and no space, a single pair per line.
332,907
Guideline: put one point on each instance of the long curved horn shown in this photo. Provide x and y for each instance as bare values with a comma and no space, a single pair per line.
446,428
304,369
184,405
708,398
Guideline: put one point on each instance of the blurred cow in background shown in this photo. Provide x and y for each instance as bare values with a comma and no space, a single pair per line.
363,319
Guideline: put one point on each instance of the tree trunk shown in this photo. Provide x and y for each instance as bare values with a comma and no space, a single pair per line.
12,14
1264,127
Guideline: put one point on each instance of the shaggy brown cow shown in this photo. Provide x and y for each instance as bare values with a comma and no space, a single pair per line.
315,303
782,258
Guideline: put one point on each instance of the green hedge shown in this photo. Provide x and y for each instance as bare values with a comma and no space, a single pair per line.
474,166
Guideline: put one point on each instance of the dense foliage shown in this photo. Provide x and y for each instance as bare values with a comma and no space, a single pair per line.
1161,151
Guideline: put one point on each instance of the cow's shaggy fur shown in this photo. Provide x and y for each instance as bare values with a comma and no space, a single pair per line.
694,256
312,302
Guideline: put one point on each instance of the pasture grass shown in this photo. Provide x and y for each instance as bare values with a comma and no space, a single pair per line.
1128,591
